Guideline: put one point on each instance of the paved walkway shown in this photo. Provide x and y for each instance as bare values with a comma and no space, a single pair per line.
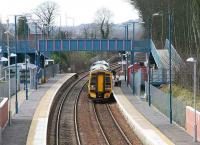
172,131
16,133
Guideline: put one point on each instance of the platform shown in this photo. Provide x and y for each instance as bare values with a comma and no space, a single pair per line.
149,124
17,132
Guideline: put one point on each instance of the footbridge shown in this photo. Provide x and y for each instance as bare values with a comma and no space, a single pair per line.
25,46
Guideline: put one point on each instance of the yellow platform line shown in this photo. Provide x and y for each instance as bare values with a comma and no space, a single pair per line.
147,133
38,130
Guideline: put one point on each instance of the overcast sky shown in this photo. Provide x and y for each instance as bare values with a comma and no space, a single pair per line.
83,11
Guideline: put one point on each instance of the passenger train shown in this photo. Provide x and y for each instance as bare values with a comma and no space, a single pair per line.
100,81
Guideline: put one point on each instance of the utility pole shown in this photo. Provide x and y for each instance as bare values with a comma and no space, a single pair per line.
8,50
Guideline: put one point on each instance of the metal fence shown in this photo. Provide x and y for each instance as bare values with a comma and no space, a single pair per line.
184,77
161,101
4,88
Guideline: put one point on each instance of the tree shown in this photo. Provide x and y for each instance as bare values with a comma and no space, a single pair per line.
103,20
60,35
46,13
23,28
2,30
86,31
186,28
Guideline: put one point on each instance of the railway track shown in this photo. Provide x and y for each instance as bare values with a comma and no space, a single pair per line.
61,127
110,129
66,126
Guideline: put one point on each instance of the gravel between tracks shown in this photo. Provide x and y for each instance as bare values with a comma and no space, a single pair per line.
88,128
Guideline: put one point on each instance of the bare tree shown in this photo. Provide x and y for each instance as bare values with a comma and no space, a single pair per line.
86,30
103,20
68,34
46,13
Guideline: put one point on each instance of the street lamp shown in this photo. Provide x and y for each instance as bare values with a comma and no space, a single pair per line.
60,49
16,74
170,57
149,45
8,51
192,60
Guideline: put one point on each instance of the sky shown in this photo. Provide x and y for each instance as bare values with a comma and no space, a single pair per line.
71,11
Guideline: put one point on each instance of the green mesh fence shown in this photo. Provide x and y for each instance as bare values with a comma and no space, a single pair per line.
161,101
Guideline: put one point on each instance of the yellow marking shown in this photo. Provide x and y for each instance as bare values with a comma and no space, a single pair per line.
100,83
38,129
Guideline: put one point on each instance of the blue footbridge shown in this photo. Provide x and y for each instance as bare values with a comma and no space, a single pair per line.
160,56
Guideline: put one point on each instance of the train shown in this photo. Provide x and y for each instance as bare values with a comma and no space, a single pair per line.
100,83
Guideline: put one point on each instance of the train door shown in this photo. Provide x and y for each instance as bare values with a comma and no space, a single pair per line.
100,82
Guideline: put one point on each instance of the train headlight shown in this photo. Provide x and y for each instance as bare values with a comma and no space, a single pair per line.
92,87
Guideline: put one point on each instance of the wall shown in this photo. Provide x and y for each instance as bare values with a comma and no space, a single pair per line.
189,124
4,87
3,112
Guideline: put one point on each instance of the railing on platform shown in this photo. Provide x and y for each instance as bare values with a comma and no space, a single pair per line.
156,55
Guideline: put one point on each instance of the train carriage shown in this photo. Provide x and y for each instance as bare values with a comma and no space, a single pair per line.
100,82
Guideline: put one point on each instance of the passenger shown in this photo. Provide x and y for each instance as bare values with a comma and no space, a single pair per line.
114,74
117,81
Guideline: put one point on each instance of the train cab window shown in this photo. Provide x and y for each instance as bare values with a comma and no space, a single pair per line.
107,79
93,80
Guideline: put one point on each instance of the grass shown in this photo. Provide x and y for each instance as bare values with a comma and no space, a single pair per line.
182,94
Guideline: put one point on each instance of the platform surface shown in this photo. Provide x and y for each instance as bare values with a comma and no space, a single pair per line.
17,132
173,132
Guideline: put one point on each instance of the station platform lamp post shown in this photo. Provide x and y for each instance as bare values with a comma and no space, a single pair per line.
170,56
16,70
192,60
149,47
8,51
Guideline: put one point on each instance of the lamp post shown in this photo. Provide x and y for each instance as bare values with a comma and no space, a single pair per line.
8,51
149,48
16,89
25,38
149,69
36,55
192,60
170,59
60,49
126,72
